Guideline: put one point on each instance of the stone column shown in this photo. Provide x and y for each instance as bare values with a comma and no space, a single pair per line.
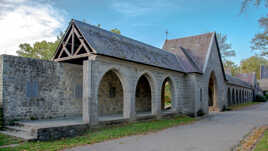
156,100
89,99
86,92
129,99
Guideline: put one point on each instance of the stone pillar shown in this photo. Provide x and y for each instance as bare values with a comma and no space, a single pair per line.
89,100
195,89
156,100
129,99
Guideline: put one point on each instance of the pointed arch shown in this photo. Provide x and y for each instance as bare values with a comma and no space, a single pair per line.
110,94
229,97
237,97
144,94
167,94
233,96
212,92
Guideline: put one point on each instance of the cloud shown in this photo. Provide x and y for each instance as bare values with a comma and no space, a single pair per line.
140,7
27,21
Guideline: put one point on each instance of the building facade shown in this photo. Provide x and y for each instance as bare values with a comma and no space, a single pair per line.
98,75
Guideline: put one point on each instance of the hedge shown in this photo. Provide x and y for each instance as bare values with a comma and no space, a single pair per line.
260,98
1,117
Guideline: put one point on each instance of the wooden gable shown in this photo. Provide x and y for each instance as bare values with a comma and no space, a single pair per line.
72,46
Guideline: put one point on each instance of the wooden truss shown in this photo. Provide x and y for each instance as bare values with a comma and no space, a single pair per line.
72,46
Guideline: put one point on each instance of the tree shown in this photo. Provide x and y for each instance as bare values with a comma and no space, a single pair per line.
40,50
260,41
225,47
231,67
115,30
252,64
245,4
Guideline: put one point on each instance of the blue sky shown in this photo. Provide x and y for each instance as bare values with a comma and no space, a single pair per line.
147,21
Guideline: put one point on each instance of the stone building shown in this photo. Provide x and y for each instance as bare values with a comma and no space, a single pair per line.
263,82
97,76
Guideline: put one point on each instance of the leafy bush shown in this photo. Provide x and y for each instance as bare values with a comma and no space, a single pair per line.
260,98
1,118
266,96
200,112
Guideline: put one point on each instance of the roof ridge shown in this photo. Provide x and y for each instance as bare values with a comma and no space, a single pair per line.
115,45
199,35
121,36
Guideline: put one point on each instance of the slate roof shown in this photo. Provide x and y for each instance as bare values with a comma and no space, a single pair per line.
196,47
247,77
115,45
237,81
264,72
184,54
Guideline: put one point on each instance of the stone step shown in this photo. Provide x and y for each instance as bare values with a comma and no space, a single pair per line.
23,124
17,129
29,131
19,134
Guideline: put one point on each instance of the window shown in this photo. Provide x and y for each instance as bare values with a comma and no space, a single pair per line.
32,89
78,91
112,91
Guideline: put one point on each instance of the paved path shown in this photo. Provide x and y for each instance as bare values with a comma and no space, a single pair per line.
217,132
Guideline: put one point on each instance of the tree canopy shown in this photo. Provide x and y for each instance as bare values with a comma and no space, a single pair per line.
115,30
225,47
260,40
231,67
41,50
252,64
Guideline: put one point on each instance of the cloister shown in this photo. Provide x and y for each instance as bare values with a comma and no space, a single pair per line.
97,77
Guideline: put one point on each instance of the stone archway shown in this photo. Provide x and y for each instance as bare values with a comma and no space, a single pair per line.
233,97
167,93
240,96
110,95
229,97
143,95
237,97
212,93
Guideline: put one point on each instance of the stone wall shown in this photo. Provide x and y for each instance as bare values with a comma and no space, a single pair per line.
247,94
1,90
37,89
129,73
213,66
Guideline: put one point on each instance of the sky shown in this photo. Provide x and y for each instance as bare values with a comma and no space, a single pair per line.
28,21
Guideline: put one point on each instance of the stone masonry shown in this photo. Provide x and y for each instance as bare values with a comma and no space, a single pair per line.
109,76
36,89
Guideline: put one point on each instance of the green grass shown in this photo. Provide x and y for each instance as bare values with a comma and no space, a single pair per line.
103,134
262,145
7,140
240,106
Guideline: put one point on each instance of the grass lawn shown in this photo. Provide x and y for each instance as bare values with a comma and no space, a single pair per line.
240,106
262,145
100,135
7,140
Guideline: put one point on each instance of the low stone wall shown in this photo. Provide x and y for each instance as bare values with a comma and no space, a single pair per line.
36,89
53,133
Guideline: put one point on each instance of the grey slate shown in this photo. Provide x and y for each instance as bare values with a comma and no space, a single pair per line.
115,45
237,81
